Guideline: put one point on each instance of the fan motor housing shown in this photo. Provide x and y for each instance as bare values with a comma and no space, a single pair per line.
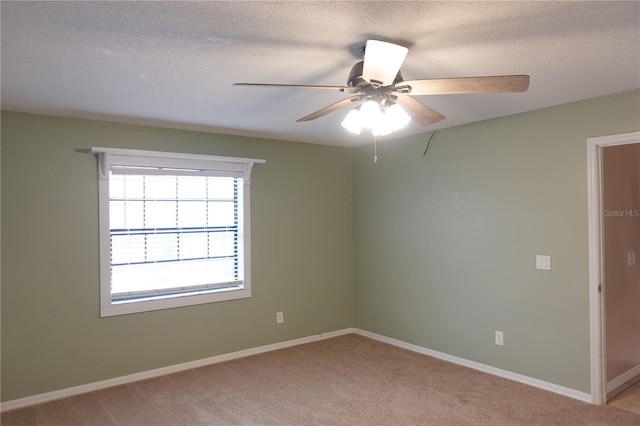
356,80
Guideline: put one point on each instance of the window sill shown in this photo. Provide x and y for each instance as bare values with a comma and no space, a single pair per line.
153,304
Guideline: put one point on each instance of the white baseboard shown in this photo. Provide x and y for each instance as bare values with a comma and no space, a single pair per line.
572,393
623,378
90,387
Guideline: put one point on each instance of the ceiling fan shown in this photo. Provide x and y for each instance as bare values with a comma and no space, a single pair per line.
377,82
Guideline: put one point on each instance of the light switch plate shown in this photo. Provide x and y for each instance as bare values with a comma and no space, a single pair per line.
543,262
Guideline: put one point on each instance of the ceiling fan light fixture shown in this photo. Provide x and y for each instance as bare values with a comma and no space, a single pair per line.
396,117
353,121
371,114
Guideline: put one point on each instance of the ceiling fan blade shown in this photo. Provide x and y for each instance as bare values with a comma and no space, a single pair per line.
331,108
382,62
419,112
347,89
453,86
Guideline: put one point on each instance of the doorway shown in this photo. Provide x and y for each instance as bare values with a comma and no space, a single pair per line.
613,246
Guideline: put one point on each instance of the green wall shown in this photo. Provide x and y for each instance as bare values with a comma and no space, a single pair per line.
438,251
445,243
52,336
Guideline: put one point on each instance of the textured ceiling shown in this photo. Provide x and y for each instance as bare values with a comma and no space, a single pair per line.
173,63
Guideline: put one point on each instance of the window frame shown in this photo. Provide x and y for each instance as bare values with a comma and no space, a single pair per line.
210,165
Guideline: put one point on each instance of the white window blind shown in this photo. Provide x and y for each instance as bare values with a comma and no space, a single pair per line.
174,229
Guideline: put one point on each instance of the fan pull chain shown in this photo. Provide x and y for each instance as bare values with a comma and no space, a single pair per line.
375,149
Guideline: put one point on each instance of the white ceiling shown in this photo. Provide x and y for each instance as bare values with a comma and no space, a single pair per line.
172,64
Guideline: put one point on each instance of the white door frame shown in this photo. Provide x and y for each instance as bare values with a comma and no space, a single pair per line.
596,301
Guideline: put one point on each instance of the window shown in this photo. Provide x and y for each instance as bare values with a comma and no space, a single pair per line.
174,229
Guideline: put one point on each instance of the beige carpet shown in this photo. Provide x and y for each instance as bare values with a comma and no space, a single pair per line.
348,380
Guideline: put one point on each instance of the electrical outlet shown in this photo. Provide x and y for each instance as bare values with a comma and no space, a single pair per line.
279,317
499,338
